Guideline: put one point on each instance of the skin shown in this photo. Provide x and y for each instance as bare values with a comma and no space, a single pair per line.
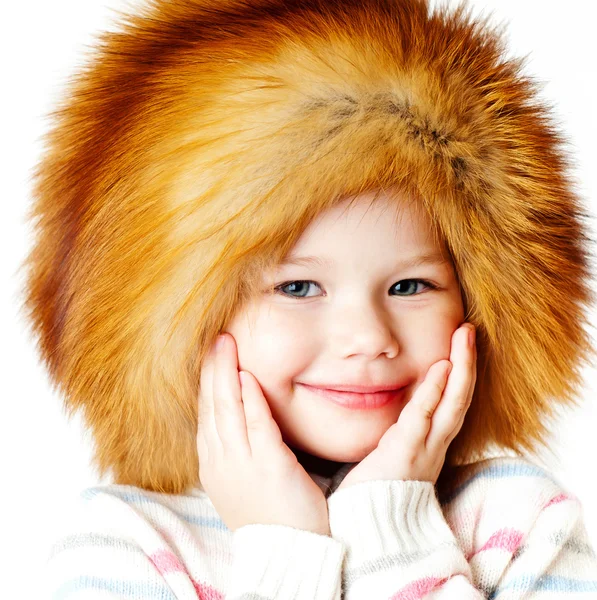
250,437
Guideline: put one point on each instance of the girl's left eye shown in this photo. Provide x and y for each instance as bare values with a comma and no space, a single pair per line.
302,285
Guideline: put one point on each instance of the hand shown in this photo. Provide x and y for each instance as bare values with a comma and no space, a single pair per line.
248,472
414,448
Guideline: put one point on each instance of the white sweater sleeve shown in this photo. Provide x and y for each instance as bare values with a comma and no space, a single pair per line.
398,543
120,549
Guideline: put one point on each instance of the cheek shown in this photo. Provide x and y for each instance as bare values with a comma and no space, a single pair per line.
434,344
274,349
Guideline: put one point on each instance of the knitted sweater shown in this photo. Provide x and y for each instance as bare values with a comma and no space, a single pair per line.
506,529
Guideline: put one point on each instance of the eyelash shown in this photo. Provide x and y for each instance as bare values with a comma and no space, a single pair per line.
278,288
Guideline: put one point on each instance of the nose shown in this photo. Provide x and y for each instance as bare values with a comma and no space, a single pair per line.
363,328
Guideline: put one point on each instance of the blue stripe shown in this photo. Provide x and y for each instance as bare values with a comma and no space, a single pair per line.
124,589
136,497
519,469
546,583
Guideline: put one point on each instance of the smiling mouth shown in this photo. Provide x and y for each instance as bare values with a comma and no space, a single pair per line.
357,401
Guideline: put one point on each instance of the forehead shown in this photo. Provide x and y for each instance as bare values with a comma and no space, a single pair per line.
392,222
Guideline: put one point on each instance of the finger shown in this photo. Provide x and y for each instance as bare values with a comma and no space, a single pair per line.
457,396
427,396
471,392
262,430
227,399
206,426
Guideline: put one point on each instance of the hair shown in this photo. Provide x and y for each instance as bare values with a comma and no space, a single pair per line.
202,138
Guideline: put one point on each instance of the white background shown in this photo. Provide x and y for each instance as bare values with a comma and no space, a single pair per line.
45,458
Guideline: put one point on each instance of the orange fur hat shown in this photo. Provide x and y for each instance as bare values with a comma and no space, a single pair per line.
201,139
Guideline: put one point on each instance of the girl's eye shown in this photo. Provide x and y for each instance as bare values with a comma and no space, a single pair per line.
300,287
403,285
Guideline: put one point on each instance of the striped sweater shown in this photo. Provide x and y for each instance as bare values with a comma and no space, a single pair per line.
505,530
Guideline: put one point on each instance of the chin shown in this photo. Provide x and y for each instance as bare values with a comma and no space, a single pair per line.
348,456
340,455
349,445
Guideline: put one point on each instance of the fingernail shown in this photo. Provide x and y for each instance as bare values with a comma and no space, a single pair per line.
220,342
471,337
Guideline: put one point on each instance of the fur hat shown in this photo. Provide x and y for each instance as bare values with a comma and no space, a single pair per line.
201,139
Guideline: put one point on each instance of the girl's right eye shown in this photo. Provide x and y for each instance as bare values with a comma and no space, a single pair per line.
301,285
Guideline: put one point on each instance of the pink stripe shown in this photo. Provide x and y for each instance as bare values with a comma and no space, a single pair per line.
206,592
166,562
418,589
559,498
503,539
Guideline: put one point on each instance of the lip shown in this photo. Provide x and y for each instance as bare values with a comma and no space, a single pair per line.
358,389
355,400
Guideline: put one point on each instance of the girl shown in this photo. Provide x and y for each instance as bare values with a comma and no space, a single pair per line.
341,190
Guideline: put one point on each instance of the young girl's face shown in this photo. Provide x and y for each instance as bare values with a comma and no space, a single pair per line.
357,316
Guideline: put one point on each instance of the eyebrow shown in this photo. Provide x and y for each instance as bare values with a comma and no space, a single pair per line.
430,258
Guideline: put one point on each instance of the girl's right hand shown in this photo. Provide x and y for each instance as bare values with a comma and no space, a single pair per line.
248,472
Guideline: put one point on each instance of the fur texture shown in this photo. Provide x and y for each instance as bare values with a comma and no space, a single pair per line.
203,136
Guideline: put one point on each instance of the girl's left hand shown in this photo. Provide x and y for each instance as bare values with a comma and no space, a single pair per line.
414,448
